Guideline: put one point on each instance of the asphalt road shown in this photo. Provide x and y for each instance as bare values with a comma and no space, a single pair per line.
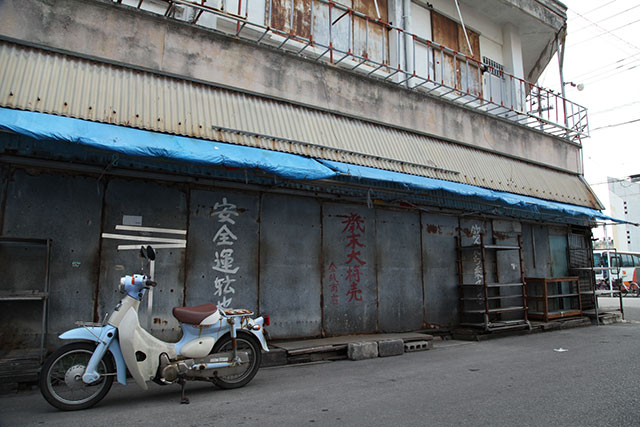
515,381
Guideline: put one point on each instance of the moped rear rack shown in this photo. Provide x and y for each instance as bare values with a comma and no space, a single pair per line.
233,312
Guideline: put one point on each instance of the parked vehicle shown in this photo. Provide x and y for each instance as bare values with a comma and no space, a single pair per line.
617,270
222,346
630,288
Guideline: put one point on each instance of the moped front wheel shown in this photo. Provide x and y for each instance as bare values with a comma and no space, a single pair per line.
61,377
246,343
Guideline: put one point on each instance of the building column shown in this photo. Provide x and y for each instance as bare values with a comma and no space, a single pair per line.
512,58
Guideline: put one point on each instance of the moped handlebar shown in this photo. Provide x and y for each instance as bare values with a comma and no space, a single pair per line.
150,283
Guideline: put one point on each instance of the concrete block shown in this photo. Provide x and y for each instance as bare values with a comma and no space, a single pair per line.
393,347
417,346
362,350
275,357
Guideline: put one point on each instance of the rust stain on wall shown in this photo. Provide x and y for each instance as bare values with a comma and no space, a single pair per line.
434,229
281,17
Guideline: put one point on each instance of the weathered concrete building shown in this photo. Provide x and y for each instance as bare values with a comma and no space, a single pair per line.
313,160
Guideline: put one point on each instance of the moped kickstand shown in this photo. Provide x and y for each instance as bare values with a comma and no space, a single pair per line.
184,400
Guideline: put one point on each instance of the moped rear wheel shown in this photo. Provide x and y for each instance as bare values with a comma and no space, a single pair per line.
61,377
246,343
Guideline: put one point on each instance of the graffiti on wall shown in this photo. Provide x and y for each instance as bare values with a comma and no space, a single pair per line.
223,261
334,285
477,257
353,230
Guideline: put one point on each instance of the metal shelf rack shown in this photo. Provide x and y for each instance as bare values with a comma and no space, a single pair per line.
8,295
491,305
553,298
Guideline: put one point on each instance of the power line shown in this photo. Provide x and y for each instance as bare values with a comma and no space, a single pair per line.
605,19
608,68
599,7
605,68
615,125
596,79
610,32
610,72
606,31
616,107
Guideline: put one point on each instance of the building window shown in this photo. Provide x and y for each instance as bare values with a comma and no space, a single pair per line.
449,33
350,33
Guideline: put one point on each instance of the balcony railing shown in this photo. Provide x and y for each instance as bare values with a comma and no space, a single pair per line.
329,32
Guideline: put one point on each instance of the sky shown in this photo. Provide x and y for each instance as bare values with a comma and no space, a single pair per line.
603,53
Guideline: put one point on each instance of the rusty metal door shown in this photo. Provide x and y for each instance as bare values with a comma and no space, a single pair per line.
222,264
559,255
440,269
140,212
290,265
349,270
67,210
399,262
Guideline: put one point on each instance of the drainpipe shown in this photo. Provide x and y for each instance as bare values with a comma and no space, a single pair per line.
408,39
560,46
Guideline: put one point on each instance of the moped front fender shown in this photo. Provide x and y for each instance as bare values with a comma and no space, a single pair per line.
258,334
92,333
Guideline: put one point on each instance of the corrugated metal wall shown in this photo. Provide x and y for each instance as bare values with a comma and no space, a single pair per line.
67,210
349,283
316,266
290,264
439,266
156,206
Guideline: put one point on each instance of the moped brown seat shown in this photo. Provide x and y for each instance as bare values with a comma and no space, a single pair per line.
194,315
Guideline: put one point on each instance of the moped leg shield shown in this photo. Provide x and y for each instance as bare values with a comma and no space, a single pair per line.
140,349
92,333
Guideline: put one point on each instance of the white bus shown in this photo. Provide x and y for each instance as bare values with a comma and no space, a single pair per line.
617,270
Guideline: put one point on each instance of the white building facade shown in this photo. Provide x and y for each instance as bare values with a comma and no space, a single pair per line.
624,198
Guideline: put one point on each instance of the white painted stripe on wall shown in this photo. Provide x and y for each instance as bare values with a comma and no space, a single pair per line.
151,229
141,238
165,246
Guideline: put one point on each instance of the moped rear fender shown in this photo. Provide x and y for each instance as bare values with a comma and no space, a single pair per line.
92,333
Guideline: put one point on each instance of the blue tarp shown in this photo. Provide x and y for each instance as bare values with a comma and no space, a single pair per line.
141,143
431,184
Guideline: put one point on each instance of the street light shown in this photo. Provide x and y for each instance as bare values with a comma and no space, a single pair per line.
579,86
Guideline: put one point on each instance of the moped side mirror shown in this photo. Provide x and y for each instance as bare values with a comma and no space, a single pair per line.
147,253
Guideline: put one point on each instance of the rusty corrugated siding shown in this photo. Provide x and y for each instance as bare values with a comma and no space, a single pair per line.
37,80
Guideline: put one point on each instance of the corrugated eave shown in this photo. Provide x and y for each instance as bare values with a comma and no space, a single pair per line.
38,80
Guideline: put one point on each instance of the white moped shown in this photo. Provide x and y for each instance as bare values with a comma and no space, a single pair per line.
222,346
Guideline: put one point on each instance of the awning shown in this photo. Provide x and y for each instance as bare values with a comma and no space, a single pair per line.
430,184
141,143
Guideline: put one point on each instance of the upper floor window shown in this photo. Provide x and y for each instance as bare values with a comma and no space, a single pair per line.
355,27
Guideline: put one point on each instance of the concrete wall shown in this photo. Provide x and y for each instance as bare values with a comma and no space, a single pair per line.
114,33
